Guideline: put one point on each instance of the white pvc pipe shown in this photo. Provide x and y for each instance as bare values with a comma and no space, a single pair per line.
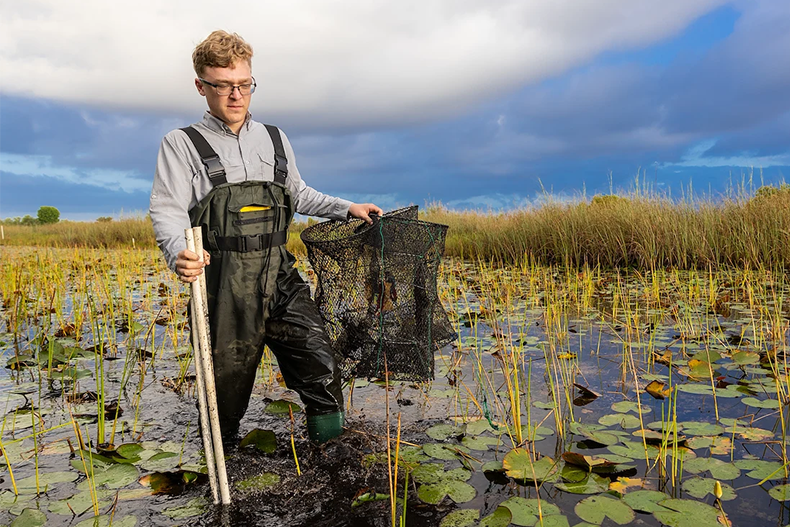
200,320
205,426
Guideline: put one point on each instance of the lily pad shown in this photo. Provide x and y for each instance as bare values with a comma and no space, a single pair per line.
441,451
263,440
30,518
259,482
645,500
80,503
658,389
622,420
780,492
160,462
629,406
696,388
597,508
755,434
745,357
630,449
194,507
760,470
434,472
591,484
688,513
525,511
493,466
589,463
533,433
718,469
460,518
479,443
368,497
594,433
518,465
171,482
718,445
477,427
760,403
129,450
116,476
701,487
280,407
701,428
458,491
444,432
501,517
46,480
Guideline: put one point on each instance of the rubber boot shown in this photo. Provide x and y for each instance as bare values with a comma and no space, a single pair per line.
322,428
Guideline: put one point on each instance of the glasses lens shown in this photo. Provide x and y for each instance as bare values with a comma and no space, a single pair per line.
244,89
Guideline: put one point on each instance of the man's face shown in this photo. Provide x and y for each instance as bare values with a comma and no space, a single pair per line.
231,109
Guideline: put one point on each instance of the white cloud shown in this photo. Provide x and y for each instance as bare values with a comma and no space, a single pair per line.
321,62
40,165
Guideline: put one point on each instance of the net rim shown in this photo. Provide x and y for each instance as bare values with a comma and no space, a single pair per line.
361,229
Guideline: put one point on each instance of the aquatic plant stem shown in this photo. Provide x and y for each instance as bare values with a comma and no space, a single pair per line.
293,444
392,483
395,475
10,470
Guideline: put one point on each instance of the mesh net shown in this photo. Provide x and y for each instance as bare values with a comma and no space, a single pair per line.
376,290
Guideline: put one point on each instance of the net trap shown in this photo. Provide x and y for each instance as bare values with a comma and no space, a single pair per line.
376,290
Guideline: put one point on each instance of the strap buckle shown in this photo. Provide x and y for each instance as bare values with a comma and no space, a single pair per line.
280,166
214,168
250,243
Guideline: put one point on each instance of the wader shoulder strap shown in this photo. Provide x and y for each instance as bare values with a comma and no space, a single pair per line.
280,161
216,172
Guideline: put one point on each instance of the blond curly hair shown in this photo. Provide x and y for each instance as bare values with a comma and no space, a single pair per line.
220,50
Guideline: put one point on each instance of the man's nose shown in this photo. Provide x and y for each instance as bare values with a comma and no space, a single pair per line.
235,93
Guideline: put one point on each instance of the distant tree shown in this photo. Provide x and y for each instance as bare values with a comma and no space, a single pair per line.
48,215
104,219
28,220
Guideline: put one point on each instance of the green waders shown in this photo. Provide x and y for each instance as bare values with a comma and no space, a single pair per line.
256,298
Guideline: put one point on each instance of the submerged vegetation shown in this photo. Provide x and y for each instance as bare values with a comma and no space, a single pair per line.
643,230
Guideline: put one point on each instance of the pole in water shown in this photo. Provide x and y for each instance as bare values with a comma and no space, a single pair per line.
203,362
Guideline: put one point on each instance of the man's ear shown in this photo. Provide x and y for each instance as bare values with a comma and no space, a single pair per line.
200,87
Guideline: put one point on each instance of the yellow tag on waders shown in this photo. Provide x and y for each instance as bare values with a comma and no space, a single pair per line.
253,208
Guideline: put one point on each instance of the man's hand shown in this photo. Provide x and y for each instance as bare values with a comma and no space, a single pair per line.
189,266
363,211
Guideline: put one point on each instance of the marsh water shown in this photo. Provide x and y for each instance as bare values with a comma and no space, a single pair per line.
571,397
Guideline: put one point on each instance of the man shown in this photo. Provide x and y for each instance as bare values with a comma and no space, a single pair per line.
238,180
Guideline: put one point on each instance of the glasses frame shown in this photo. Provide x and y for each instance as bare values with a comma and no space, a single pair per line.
232,87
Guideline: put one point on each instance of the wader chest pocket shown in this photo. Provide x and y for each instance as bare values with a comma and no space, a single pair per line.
250,214
250,211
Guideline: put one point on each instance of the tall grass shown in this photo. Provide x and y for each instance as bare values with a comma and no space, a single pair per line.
640,230
130,232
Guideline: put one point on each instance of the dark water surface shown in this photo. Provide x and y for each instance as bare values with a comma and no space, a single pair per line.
724,333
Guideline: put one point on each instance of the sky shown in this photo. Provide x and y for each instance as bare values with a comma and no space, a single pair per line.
476,105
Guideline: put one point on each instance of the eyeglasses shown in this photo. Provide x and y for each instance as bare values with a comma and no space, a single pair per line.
227,89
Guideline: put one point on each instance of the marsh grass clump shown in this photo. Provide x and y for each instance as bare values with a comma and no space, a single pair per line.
640,230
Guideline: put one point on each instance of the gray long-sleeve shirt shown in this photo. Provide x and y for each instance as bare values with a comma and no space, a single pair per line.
180,181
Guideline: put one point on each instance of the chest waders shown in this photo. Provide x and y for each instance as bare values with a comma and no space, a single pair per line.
257,298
